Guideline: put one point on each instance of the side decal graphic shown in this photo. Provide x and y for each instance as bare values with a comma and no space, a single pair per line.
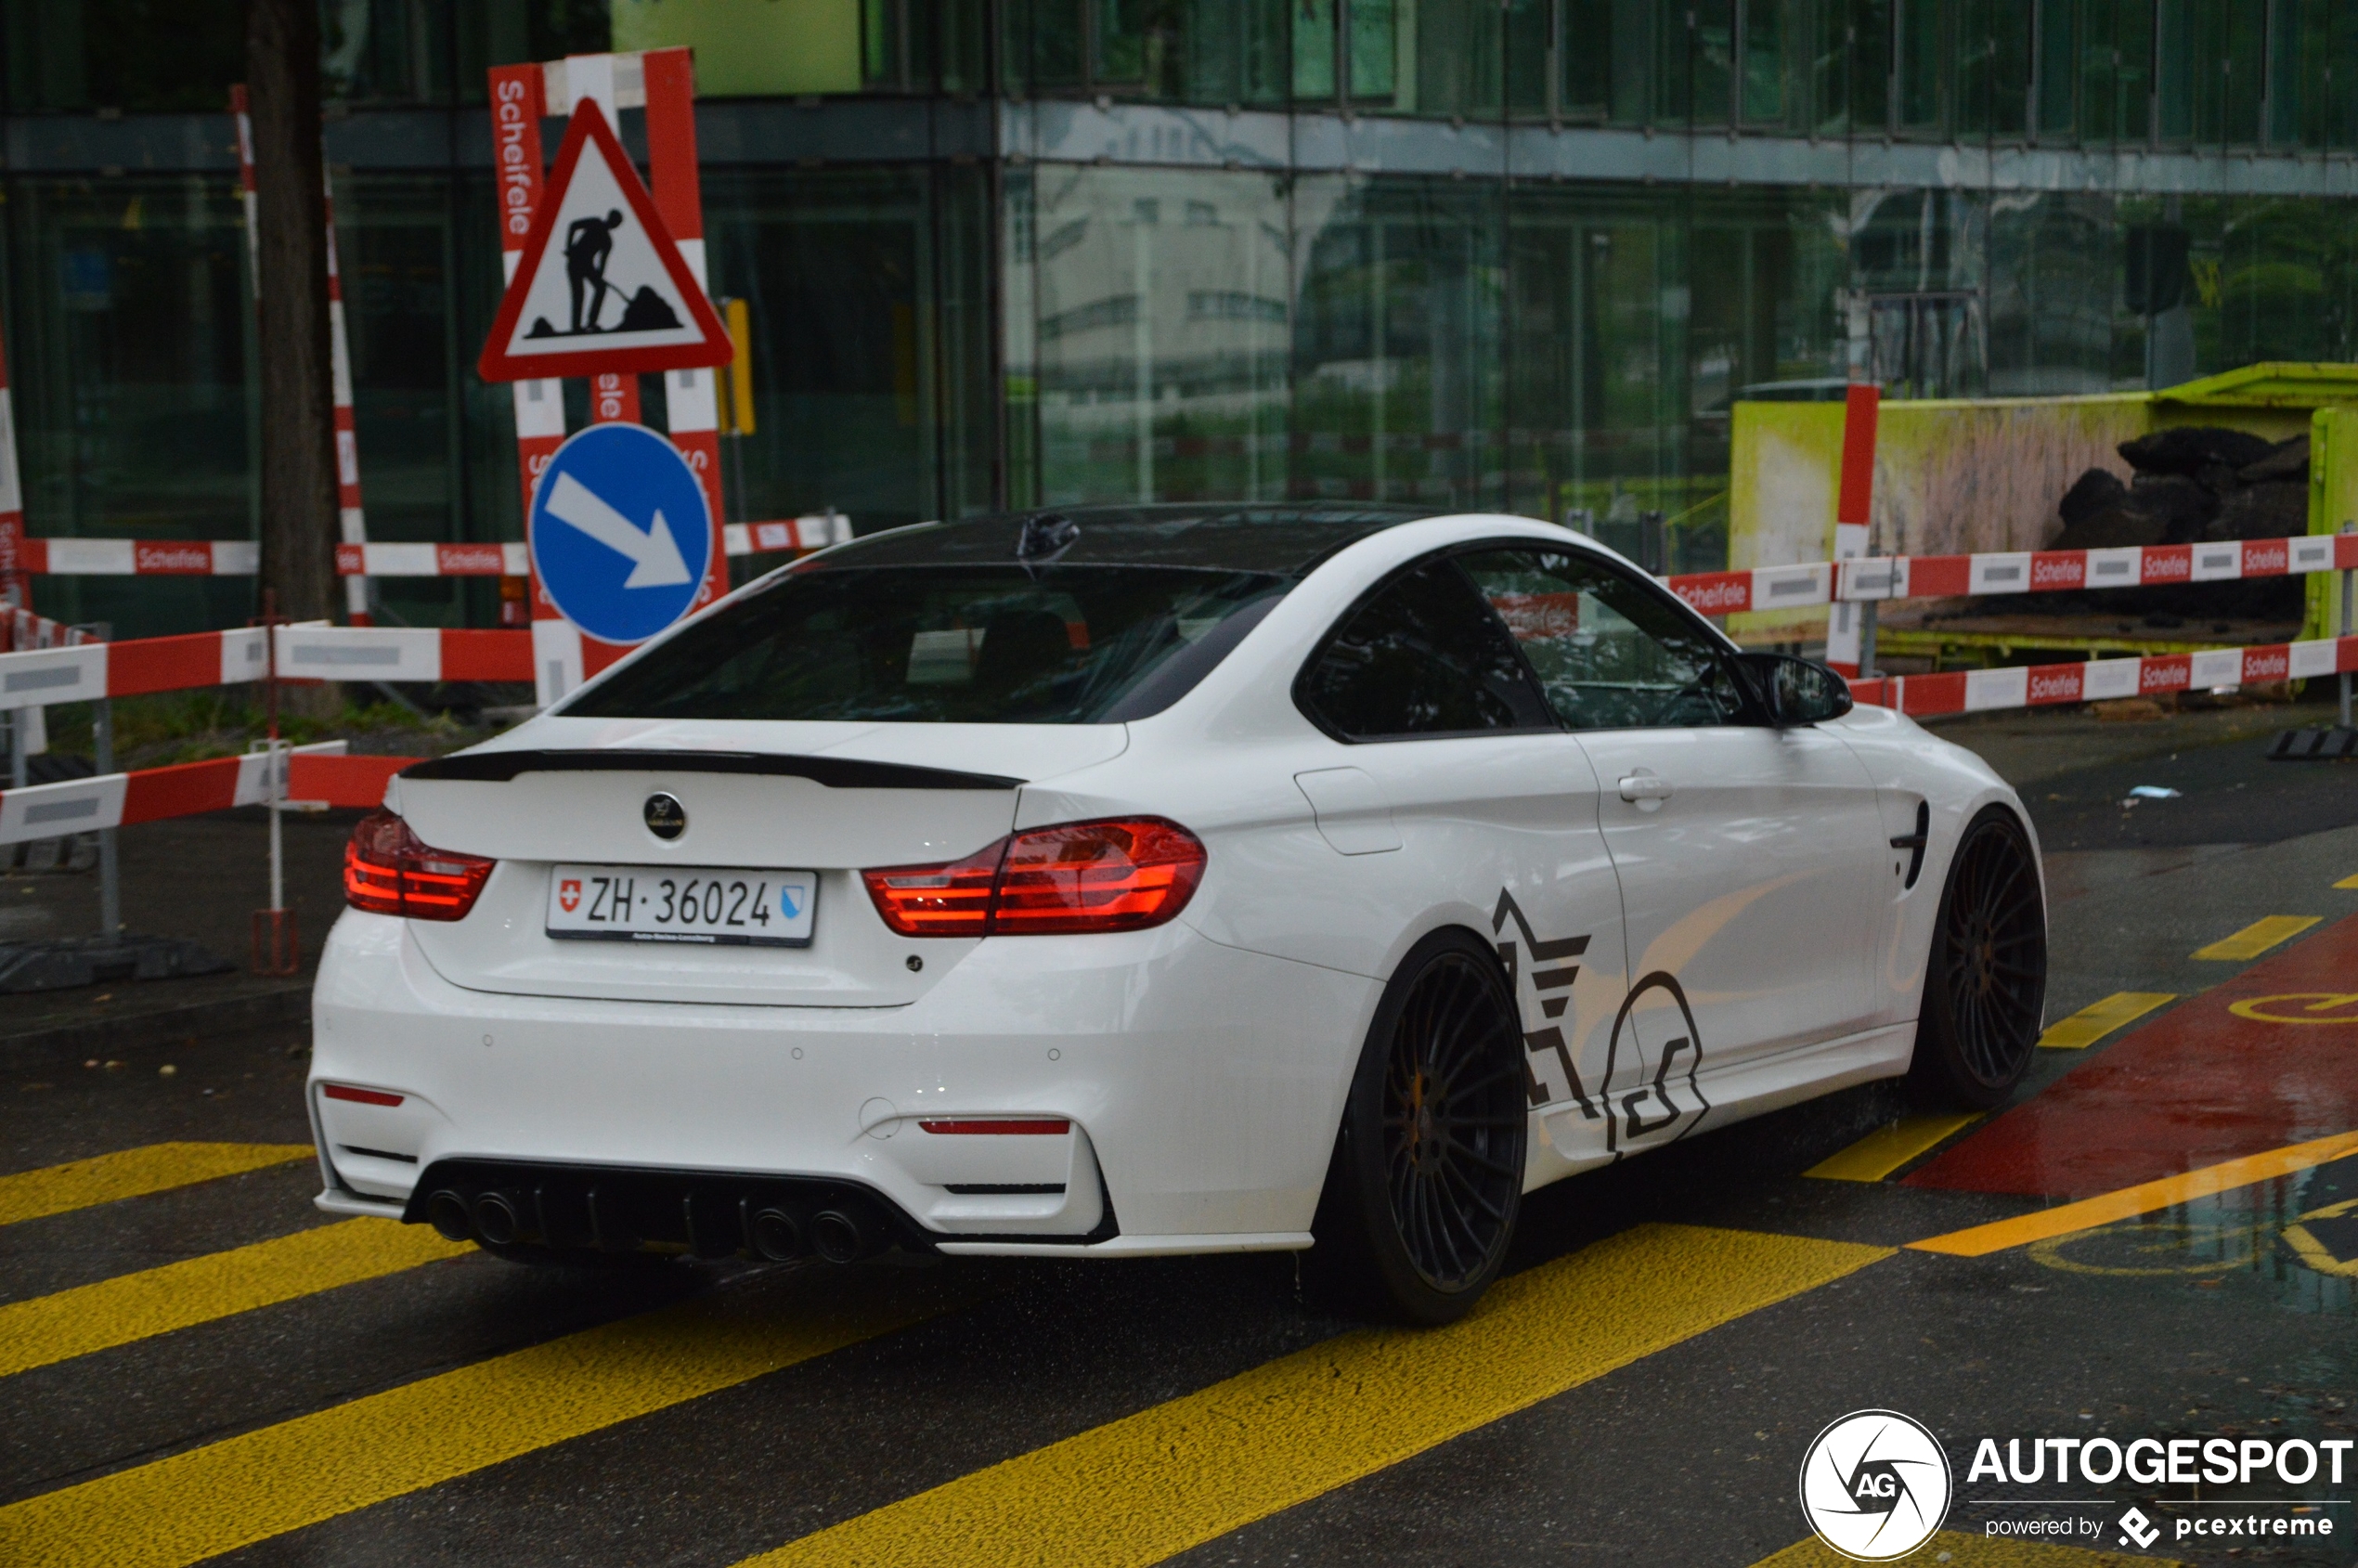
1651,1107
1558,980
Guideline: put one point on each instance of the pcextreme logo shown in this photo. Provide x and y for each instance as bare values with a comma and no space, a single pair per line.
1875,1485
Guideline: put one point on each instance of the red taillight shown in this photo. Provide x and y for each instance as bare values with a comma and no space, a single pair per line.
386,871
1039,1127
1096,876
1116,875
359,1096
939,901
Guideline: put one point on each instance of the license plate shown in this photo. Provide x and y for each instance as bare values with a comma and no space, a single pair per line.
714,905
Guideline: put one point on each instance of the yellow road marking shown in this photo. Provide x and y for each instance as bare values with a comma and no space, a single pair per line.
1961,1550
2348,883
2258,936
2297,1008
135,1307
2091,1213
247,1488
1886,1148
2097,1019
2315,1253
1142,1488
2200,1249
133,1173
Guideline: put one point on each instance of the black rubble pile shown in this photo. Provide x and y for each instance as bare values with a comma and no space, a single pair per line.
2190,484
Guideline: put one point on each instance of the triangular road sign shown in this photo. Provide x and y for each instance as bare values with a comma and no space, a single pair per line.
601,285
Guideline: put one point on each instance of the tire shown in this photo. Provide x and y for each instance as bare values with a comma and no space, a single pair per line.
1427,1176
1986,977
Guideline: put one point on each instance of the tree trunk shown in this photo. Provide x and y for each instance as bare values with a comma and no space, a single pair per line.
298,414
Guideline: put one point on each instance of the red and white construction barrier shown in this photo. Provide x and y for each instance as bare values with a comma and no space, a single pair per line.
242,558
352,520
814,532
12,540
21,630
433,560
2045,685
320,773
140,558
2026,571
1854,511
86,671
788,533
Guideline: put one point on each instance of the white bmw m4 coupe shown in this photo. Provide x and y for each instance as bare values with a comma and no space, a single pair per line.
1168,879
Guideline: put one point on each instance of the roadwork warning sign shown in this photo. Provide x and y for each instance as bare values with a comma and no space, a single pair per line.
600,286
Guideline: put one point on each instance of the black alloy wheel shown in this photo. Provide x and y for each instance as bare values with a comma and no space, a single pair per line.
1426,1177
1985,983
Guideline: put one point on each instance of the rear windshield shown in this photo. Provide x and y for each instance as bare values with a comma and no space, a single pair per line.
960,643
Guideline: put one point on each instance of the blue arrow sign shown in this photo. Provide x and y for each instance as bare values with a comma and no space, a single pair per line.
620,534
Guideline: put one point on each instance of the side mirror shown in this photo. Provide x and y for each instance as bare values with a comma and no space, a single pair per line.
1796,691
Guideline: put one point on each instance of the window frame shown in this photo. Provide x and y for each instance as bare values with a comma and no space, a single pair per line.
1755,713
1754,716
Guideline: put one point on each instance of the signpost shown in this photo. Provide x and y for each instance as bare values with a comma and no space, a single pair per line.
605,282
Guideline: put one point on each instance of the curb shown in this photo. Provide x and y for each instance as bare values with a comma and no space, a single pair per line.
288,1004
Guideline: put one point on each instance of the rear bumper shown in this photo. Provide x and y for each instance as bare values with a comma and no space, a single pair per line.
1201,1084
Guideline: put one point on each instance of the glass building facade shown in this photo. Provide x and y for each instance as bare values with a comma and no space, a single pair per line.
1521,256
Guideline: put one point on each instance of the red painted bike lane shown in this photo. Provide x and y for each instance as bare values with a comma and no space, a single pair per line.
2267,1059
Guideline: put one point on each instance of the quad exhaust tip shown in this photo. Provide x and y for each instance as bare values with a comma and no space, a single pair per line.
846,1230
847,1233
775,1235
495,1219
447,1212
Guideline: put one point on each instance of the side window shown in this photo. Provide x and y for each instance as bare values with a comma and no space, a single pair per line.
1422,657
1610,654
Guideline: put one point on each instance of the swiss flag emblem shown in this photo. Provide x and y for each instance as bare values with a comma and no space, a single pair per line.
569,894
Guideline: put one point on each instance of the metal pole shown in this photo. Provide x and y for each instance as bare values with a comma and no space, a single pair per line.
110,867
2346,527
19,764
1866,640
277,767
270,704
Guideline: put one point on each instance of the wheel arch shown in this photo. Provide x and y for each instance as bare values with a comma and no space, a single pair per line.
1408,946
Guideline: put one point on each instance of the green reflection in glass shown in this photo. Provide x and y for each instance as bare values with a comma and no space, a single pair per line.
1314,49
1766,87
1373,50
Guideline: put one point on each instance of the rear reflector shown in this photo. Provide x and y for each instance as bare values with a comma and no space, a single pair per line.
1115,876
359,1096
1056,1127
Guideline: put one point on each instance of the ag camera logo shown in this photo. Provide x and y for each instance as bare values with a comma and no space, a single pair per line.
1875,1485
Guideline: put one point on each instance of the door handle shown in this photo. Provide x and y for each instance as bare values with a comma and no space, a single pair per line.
1645,787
